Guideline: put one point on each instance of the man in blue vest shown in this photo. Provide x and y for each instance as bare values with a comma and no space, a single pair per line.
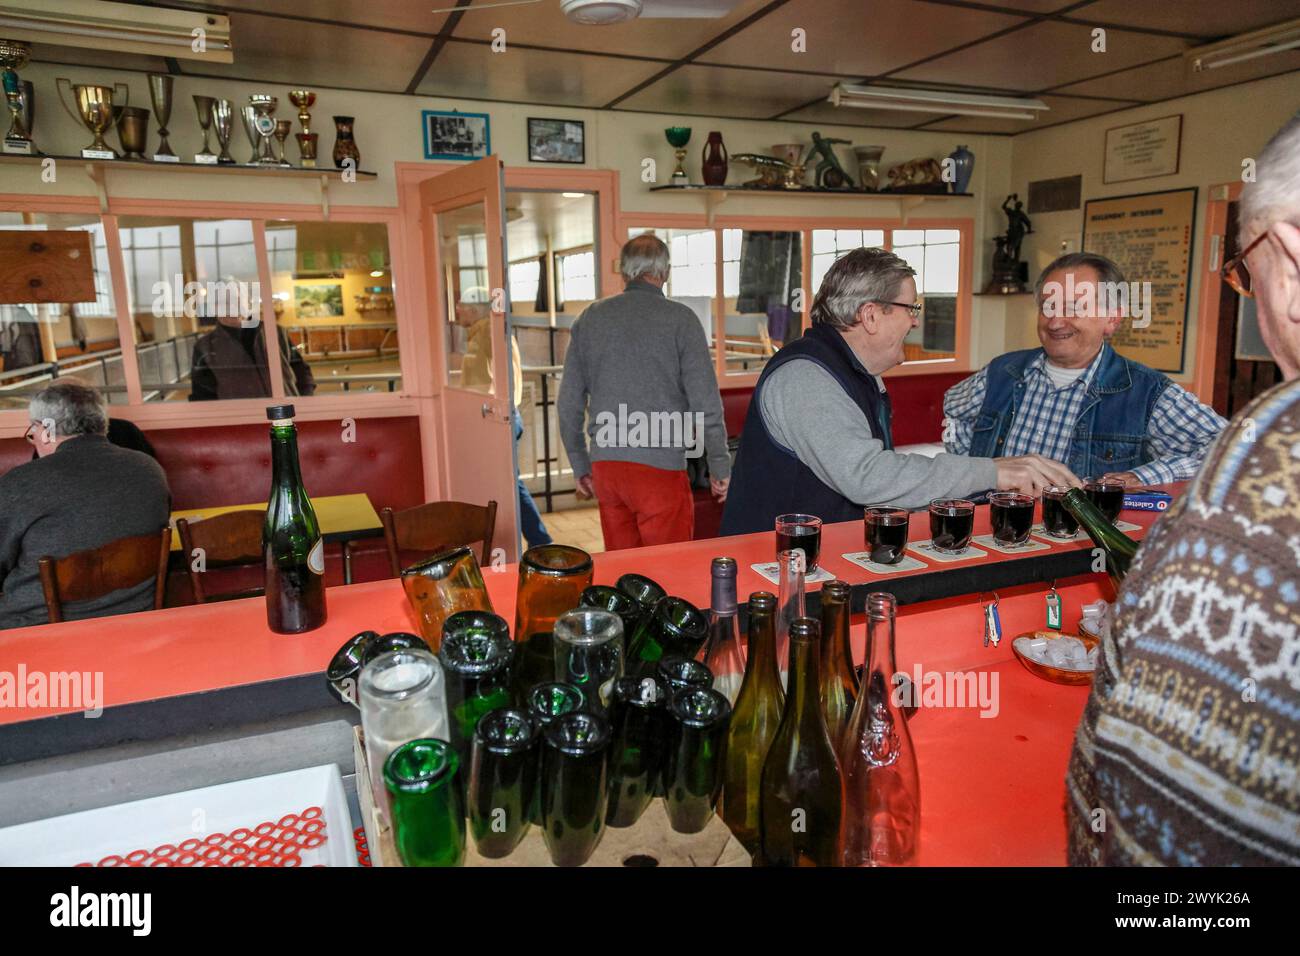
1076,399
817,439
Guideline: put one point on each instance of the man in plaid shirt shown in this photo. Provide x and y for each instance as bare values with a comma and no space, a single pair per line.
1077,400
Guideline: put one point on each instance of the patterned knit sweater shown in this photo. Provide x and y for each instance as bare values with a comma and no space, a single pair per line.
1189,748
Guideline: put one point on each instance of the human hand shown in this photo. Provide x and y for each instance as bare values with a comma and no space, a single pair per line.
586,489
1129,479
719,488
1030,474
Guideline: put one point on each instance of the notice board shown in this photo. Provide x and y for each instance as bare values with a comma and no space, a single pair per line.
1150,238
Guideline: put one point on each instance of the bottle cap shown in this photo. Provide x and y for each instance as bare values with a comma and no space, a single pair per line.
279,412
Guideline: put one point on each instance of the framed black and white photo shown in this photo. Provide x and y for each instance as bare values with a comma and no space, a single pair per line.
456,135
556,141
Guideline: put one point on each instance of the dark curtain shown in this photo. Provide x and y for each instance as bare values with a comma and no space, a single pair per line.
543,304
771,269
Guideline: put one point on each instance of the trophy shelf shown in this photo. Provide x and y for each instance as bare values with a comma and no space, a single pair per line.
714,196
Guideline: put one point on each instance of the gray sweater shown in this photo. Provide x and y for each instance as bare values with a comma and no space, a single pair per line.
638,368
84,495
807,411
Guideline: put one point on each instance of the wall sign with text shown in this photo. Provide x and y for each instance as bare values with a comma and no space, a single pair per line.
1150,238
1143,150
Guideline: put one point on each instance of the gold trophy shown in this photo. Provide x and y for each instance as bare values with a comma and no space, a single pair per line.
305,100
13,56
94,110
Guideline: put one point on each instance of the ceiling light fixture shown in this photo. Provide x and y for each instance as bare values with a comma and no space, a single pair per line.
573,195
935,101
122,27
1246,46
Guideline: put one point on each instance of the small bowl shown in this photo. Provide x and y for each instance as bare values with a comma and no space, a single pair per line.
1057,675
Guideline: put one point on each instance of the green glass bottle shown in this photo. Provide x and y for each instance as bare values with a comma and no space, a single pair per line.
674,627
292,549
802,806
636,755
502,781
839,686
575,791
428,813
1118,547
476,656
754,720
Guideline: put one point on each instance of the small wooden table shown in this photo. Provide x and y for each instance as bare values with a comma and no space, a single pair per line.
343,518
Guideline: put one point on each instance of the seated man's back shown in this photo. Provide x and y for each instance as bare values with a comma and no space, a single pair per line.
85,494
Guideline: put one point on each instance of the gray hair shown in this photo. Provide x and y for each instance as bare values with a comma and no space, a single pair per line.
643,255
854,279
73,408
1274,196
1106,270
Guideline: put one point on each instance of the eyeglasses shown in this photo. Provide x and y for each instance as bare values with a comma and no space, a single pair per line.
914,308
1236,273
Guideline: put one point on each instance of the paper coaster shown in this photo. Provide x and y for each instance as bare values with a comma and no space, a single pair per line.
1041,534
988,541
771,570
927,548
1126,526
906,563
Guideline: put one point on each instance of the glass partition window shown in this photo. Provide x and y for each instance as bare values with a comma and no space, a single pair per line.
692,274
332,293
764,309
196,308
39,341
524,279
829,244
577,277
935,254
466,319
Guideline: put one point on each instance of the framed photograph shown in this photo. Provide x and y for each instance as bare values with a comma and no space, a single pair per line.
1143,150
556,141
322,300
456,135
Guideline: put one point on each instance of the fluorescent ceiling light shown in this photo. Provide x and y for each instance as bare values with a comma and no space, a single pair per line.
122,27
573,195
1246,46
935,101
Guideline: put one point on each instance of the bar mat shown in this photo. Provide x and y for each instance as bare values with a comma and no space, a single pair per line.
906,563
988,541
927,548
771,571
1040,533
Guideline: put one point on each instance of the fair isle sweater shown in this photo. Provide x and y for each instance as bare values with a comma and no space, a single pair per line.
1189,749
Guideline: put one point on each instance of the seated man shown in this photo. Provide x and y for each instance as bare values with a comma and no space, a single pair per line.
1186,754
1076,399
818,439
81,493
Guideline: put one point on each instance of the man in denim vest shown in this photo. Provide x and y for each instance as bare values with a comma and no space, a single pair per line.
1076,399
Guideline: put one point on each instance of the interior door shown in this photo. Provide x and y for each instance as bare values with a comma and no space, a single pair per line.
464,243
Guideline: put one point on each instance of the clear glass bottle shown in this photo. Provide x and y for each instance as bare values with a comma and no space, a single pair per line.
882,788
402,697
790,604
723,654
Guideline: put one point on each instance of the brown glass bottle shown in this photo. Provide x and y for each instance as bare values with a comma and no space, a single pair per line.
802,807
839,685
552,578
753,724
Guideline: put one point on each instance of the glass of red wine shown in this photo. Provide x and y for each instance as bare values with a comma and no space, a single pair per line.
1012,516
1107,495
951,522
802,532
1057,519
885,534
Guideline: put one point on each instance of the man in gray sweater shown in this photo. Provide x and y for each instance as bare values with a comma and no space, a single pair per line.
638,370
81,493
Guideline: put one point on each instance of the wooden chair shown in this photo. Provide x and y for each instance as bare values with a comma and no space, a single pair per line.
438,526
231,538
91,574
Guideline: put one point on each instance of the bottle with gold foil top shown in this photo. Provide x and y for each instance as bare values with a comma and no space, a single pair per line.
802,806
754,720
839,687
292,548
881,783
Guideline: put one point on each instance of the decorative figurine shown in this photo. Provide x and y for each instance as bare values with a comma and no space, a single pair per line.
1010,275
829,174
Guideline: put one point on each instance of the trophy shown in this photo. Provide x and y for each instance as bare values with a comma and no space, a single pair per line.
678,137
304,100
160,93
132,130
249,116
203,106
282,128
263,106
223,122
18,95
94,110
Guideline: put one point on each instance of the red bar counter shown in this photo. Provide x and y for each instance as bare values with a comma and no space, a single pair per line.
992,786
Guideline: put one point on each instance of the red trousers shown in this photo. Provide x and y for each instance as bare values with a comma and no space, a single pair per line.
641,505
